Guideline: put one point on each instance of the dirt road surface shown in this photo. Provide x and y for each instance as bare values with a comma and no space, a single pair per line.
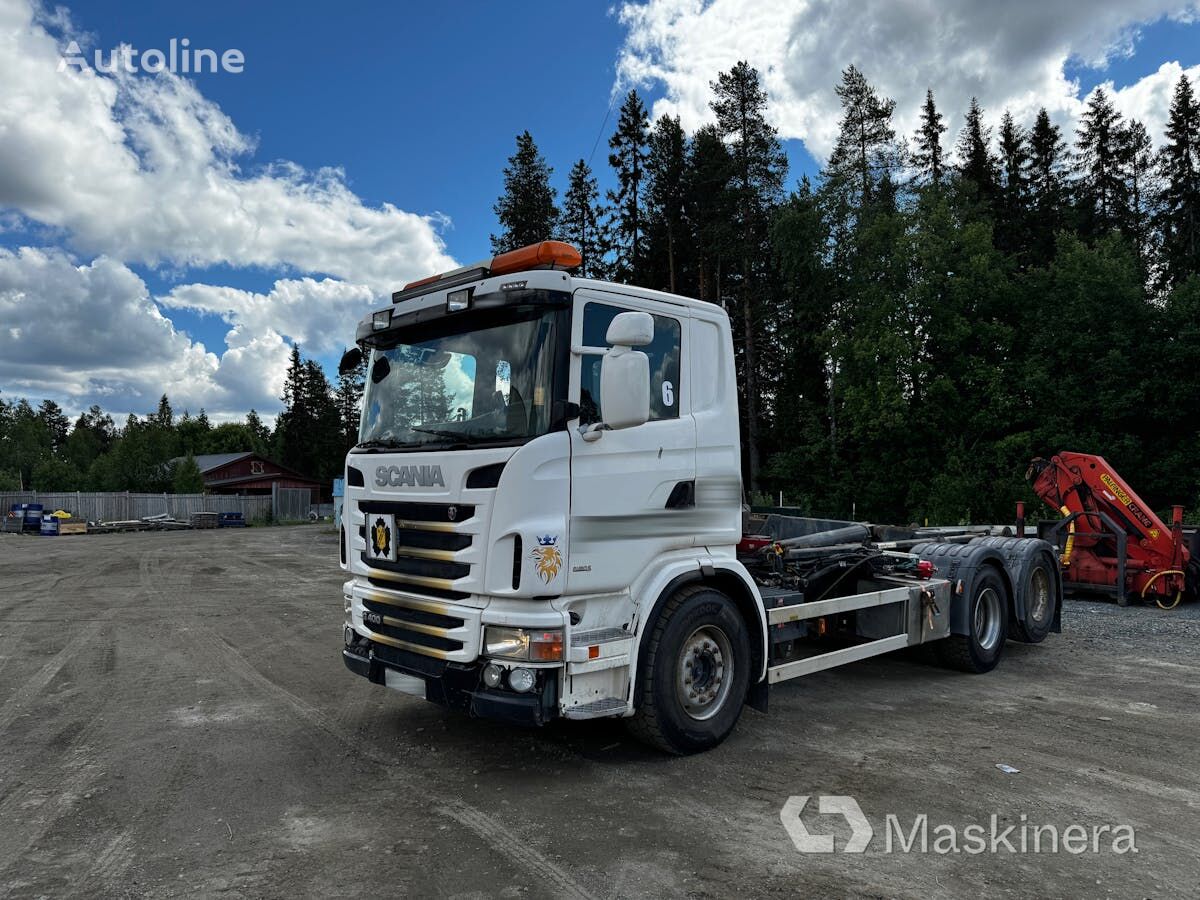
175,719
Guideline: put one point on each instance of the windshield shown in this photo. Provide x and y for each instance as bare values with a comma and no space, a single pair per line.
487,376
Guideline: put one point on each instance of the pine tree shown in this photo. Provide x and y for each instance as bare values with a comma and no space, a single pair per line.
291,422
56,424
866,148
928,157
164,417
1137,161
260,434
800,237
666,168
526,210
629,144
91,437
186,477
710,209
1013,192
1179,198
583,221
349,401
1047,189
976,164
758,168
1099,148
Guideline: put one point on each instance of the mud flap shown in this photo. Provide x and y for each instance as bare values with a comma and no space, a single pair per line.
756,697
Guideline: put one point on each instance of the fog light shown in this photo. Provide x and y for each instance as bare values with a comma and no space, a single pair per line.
521,680
349,635
492,674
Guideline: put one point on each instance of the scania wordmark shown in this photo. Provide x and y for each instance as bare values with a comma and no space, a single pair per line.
544,519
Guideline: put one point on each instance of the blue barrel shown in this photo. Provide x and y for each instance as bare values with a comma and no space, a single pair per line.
33,516
49,526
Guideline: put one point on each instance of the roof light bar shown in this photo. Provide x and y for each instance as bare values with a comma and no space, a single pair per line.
543,255
546,255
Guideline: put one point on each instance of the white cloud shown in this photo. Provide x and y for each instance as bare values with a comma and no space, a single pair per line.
145,169
318,315
1007,55
84,334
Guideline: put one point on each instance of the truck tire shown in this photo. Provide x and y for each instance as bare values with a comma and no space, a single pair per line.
987,622
1040,589
693,673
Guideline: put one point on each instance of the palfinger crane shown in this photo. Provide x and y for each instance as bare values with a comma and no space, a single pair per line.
1113,540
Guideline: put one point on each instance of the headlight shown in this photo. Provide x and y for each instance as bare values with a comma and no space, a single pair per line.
539,645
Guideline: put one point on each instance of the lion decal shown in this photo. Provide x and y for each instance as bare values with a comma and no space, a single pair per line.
547,558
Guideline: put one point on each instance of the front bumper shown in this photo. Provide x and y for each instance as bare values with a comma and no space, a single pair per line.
456,685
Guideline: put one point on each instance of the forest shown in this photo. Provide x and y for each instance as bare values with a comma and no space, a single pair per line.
912,325
933,310
41,449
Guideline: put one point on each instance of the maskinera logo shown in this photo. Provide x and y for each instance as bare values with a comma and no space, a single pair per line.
918,836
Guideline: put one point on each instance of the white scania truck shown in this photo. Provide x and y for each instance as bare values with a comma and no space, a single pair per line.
544,519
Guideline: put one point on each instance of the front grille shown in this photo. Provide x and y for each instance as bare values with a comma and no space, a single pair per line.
426,541
422,568
408,636
414,616
413,625
399,584
419,512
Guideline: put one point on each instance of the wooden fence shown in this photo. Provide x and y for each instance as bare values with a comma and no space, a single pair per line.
122,506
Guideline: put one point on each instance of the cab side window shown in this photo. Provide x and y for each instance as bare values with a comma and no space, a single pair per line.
663,353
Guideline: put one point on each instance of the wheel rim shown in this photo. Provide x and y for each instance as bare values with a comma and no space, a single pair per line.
1039,589
987,619
705,672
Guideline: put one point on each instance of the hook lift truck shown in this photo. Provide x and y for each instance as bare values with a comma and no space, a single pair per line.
543,520
1110,540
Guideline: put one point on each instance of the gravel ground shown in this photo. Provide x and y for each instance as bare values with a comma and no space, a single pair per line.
175,720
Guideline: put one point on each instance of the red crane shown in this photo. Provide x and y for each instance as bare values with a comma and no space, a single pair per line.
1113,540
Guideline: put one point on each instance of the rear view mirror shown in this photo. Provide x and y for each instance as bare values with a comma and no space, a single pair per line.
380,370
351,360
624,375
625,387
631,329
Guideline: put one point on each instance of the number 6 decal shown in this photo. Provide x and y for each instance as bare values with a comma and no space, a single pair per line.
668,394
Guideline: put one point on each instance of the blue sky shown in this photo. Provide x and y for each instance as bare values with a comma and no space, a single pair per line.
207,234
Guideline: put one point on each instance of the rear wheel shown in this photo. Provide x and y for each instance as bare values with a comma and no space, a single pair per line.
693,673
980,649
1041,603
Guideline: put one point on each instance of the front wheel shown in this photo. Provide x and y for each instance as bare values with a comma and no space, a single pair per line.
693,673
980,649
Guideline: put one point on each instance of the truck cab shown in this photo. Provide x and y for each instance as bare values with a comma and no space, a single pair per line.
542,514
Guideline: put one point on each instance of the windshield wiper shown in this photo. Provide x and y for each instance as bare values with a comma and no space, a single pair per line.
445,433
384,444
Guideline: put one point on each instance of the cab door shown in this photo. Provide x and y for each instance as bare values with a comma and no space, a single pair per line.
632,490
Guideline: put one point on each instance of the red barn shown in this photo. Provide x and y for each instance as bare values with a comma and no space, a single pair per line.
249,473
